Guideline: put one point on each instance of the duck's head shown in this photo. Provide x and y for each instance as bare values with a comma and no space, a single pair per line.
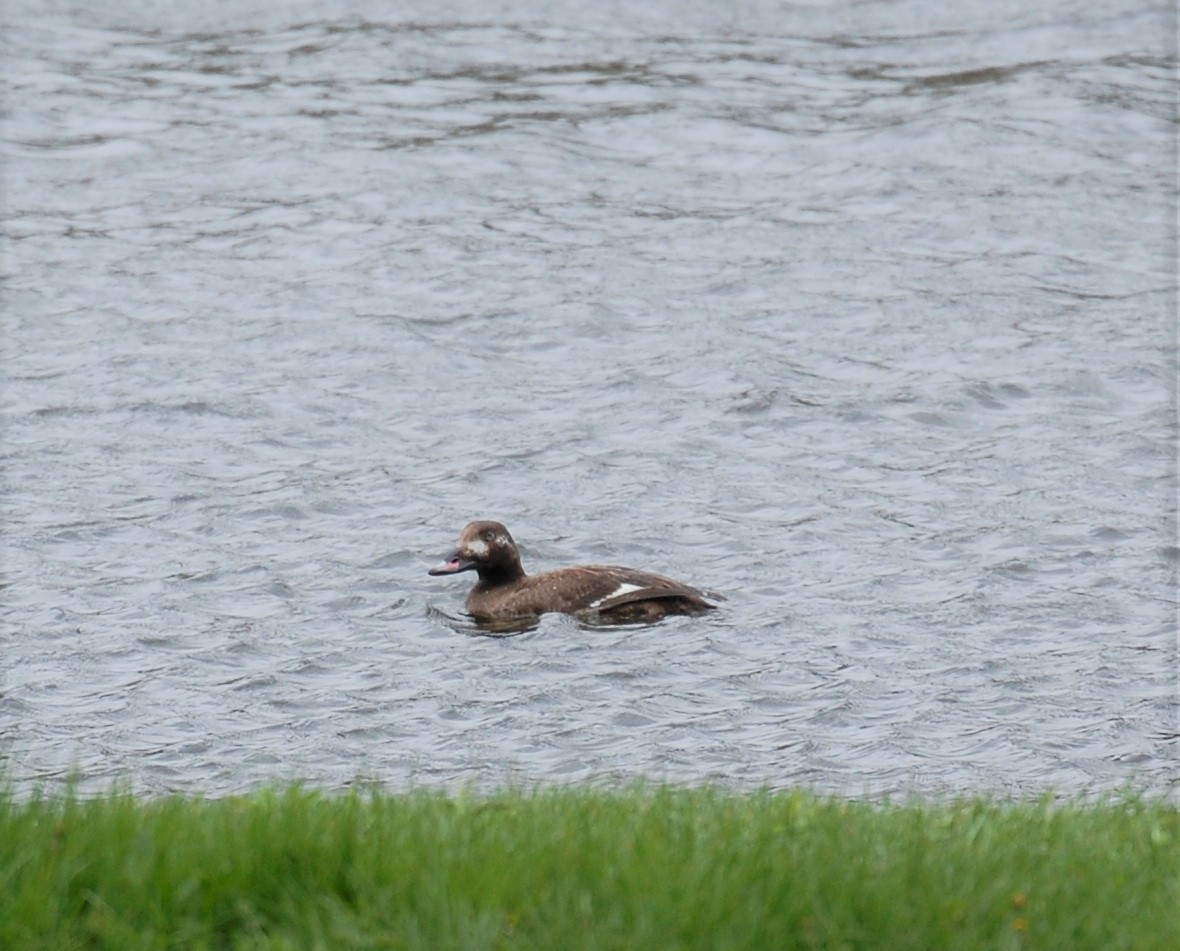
487,549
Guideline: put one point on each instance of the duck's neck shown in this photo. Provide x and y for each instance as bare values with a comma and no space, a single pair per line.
493,576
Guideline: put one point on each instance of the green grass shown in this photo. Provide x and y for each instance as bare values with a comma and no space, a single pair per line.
574,868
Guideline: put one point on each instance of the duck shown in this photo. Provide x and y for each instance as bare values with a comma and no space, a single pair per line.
610,593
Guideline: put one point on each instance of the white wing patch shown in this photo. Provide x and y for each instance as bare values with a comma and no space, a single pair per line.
621,590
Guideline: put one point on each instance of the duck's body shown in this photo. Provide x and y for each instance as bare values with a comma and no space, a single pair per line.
610,592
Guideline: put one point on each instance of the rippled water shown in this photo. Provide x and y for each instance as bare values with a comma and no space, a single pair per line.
863,314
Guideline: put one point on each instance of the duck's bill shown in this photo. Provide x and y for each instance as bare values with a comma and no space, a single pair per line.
453,565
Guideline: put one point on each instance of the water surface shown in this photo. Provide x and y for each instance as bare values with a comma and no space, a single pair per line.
861,314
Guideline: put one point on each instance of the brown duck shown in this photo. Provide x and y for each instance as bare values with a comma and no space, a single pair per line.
605,592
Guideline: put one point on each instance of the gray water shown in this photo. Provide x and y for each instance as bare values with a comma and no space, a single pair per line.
863,314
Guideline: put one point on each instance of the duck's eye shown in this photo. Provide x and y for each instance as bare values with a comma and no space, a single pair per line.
488,535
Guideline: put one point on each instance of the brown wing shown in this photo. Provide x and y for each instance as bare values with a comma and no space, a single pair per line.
623,586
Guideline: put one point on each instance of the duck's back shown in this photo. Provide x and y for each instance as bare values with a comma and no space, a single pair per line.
608,591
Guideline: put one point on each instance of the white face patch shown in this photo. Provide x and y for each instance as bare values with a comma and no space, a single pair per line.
478,547
621,590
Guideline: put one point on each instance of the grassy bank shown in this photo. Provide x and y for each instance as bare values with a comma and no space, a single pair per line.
569,869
